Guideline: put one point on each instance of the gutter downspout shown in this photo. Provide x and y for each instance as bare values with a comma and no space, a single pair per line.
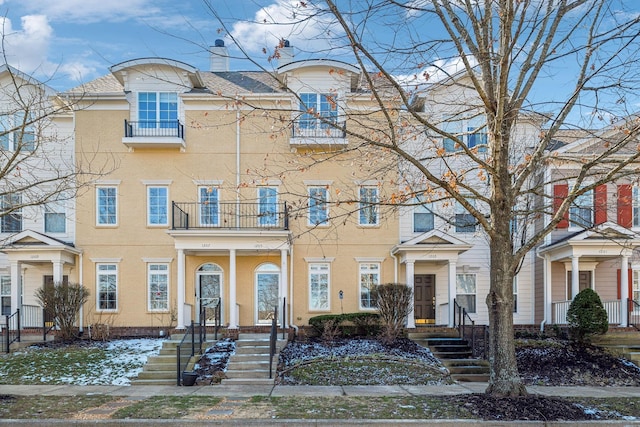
80,269
395,266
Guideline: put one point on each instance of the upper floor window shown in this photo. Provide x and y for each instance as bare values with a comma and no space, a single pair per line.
16,133
157,205
11,206
318,207
581,211
158,109
464,221
318,111
368,209
636,206
106,206
267,206
209,206
55,218
423,217
472,132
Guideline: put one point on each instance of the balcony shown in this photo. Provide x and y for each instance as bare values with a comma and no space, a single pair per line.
154,134
229,216
309,135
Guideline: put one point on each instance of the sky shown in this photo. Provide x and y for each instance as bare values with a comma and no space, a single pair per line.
66,42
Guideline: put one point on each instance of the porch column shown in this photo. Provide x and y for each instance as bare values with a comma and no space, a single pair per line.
58,275
284,280
452,291
15,286
409,273
624,291
233,308
575,276
181,290
548,294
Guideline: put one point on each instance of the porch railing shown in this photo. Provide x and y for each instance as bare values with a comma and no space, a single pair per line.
314,129
151,128
229,215
613,309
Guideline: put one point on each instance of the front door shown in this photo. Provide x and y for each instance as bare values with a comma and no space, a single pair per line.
424,298
584,282
267,289
209,284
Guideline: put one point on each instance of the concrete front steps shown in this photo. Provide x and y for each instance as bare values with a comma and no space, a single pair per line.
249,365
161,369
455,354
626,344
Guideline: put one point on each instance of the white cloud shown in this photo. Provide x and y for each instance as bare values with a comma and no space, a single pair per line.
286,19
26,48
438,71
91,11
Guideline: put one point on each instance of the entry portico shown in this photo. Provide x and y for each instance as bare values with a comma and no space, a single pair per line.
33,256
589,259
229,244
432,248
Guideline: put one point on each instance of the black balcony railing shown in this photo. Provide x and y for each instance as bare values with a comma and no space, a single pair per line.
229,215
303,129
146,128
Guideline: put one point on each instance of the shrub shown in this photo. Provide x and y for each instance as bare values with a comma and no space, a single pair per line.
62,302
394,304
586,316
346,324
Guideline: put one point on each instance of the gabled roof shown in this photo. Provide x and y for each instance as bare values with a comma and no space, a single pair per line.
30,238
602,238
6,68
434,240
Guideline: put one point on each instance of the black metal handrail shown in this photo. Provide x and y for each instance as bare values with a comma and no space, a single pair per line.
633,308
316,129
12,330
460,314
229,215
273,338
153,128
186,347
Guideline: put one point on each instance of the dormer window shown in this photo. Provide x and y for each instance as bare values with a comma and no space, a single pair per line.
320,111
158,110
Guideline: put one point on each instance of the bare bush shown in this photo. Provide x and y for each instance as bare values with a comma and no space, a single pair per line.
62,302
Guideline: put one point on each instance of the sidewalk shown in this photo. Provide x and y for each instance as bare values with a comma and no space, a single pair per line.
234,396
308,391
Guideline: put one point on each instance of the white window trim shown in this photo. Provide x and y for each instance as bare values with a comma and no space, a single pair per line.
168,207
360,283
168,274
97,201
98,274
475,295
328,212
328,273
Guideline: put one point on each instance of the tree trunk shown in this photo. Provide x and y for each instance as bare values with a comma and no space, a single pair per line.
505,379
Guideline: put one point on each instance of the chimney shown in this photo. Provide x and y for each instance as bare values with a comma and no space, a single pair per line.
219,57
286,53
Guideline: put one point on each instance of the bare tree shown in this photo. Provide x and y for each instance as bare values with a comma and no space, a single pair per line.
443,61
38,163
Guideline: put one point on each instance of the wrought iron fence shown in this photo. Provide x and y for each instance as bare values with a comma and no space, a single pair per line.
151,128
229,215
